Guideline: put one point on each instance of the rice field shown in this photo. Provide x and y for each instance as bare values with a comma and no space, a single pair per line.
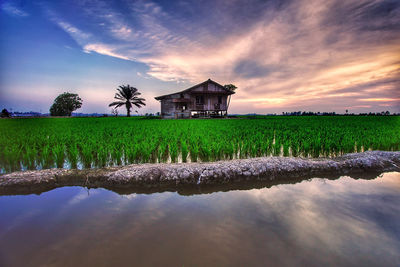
40,143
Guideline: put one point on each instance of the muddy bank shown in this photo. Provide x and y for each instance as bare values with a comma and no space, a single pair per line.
172,177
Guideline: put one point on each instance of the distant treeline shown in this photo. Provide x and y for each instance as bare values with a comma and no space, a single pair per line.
310,113
250,115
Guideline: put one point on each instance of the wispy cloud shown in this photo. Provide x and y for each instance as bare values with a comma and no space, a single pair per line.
73,31
104,50
122,32
13,10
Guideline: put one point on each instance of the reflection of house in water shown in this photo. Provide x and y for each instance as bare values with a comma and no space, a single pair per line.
207,99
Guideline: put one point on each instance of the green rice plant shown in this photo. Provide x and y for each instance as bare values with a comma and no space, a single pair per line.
116,155
130,153
286,149
185,151
72,155
230,150
46,157
102,157
86,155
59,154
205,150
295,148
277,149
173,151
29,156
12,156
162,152
146,152
194,151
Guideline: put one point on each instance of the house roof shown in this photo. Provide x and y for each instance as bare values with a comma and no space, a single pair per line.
229,92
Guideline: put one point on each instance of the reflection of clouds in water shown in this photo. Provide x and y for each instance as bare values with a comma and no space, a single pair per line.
83,194
130,196
80,196
18,221
319,227
104,220
333,217
391,180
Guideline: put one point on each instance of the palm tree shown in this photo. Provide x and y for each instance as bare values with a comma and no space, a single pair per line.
128,96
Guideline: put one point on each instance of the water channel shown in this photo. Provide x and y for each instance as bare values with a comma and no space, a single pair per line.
314,222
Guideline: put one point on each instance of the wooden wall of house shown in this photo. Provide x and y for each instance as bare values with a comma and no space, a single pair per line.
167,108
209,103
209,99
208,87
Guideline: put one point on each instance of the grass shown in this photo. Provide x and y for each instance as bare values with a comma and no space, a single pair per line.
98,142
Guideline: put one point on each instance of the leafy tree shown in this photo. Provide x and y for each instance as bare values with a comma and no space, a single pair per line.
64,104
128,96
5,113
232,88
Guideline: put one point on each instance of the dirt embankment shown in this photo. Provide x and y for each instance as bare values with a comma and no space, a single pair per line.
158,176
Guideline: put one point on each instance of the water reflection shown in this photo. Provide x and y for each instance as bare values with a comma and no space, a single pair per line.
315,222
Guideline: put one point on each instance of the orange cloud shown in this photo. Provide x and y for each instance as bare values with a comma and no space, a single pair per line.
379,99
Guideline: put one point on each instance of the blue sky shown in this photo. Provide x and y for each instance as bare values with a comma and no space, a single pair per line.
283,55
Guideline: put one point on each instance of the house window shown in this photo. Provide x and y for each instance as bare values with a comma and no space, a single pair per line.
219,99
182,96
199,100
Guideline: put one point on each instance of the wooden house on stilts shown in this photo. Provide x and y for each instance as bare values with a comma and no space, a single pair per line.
206,99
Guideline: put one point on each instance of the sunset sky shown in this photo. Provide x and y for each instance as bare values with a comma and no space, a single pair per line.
295,55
